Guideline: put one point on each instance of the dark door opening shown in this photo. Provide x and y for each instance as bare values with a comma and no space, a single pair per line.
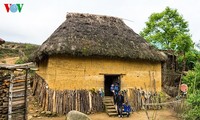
108,81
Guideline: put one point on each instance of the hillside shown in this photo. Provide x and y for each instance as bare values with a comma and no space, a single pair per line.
19,51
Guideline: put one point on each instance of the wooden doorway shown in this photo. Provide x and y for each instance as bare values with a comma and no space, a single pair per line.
108,81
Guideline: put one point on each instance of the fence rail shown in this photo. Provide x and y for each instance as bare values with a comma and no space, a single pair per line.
140,99
62,102
17,103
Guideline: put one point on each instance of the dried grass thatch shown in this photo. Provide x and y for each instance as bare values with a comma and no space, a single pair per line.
96,35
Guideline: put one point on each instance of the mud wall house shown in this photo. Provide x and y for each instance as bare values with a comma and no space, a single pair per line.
92,51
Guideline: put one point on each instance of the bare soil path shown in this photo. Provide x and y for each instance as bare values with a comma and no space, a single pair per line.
9,60
165,114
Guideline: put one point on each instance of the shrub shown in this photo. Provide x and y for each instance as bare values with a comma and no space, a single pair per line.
19,61
192,79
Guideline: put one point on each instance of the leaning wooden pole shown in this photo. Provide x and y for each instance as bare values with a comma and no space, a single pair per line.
10,96
25,94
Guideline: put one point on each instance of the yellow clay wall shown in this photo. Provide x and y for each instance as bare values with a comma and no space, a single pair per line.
63,73
43,69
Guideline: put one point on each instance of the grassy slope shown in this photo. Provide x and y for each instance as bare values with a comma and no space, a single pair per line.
11,49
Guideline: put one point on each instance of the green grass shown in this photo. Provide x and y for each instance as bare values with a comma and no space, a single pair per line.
11,49
8,52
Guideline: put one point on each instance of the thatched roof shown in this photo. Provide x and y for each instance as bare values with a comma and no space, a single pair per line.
96,35
1,41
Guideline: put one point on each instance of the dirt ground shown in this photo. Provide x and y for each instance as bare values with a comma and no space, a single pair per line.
164,114
9,60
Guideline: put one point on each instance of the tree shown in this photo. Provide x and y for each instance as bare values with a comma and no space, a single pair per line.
192,79
168,31
191,57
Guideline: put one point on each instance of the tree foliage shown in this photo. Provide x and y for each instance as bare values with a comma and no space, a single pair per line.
192,79
168,30
191,57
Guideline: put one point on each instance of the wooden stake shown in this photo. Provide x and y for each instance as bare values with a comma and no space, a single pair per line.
54,101
10,96
154,82
25,94
150,83
90,101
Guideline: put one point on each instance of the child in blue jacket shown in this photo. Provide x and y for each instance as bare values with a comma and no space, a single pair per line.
127,108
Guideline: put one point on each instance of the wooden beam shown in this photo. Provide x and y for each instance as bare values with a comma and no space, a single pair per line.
25,94
18,66
111,74
34,69
10,96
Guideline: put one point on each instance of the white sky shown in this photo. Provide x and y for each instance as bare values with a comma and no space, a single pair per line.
39,18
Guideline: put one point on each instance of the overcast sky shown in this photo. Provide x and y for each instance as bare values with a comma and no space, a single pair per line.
39,18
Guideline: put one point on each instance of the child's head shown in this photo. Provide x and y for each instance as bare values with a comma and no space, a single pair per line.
116,83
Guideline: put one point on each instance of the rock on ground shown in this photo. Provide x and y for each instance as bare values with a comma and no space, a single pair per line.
76,115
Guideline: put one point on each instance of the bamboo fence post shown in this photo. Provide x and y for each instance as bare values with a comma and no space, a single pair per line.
46,101
54,101
90,100
25,94
10,96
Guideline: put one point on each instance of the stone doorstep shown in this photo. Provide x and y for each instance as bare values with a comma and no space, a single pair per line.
112,114
111,110
108,98
107,101
108,104
110,107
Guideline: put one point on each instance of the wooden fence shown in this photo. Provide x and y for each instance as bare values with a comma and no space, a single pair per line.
18,101
14,91
62,102
3,99
140,99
